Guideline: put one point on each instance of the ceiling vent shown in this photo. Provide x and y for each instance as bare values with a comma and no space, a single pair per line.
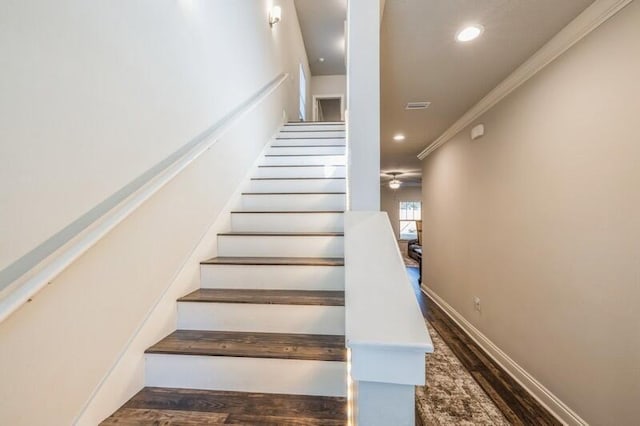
418,105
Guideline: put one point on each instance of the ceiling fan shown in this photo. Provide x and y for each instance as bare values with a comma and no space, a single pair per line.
394,183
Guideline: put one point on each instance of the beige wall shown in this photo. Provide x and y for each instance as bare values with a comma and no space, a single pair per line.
390,200
541,220
93,94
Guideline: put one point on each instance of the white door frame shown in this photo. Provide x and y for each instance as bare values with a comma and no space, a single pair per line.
315,105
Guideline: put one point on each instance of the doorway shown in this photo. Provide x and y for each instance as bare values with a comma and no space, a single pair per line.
328,108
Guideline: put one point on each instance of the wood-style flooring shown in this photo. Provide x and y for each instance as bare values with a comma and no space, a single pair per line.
252,345
165,406
517,405
266,297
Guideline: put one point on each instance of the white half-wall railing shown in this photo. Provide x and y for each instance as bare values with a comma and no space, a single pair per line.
22,280
385,332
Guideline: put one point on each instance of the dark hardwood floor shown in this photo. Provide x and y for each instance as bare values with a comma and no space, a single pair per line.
517,405
164,406
266,297
252,345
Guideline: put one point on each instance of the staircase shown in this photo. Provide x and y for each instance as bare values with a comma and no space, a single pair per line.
262,341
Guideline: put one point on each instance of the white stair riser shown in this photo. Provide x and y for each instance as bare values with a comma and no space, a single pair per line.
303,127
299,160
306,150
287,222
299,141
310,134
284,376
263,318
294,202
296,172
280,246
298,185
272,277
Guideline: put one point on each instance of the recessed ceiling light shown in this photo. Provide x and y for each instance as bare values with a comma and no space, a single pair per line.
399,137
321,59
469,33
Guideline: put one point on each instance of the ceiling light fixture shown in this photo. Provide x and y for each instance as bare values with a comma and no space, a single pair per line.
394,183
321,59
275,15
399,137
469,33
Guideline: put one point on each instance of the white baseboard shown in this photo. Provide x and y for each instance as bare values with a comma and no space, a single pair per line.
127,375
543,395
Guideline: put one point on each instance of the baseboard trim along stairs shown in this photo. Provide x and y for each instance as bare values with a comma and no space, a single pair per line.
262,341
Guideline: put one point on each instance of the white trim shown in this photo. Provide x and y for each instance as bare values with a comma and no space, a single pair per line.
314,106
543,395
43,270
592,17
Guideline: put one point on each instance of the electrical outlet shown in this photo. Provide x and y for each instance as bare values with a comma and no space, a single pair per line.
476,303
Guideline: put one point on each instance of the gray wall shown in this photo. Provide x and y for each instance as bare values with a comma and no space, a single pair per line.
541,220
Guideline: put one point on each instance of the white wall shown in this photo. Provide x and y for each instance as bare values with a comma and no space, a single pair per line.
540,220
323,85
390,202
92,96
363,104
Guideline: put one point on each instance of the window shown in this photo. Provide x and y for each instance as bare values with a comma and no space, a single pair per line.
302,109
410,212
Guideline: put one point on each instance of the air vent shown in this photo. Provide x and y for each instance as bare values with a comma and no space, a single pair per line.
418,105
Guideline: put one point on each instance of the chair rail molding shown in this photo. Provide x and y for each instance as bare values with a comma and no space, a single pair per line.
590,19
23,279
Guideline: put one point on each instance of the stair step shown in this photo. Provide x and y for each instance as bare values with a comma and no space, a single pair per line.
298,261
263,310
309,149
252,345
302,160
270,297
300,172
307,185
169,405
288,142
293,201
310,134
287,221
281,234
285,244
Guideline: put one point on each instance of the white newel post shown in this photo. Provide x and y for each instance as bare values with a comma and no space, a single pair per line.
363,104
385,330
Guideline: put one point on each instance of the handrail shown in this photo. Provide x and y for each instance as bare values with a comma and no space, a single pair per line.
382,314
21,280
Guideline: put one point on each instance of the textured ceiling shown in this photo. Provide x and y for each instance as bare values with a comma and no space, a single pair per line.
322,25
420,60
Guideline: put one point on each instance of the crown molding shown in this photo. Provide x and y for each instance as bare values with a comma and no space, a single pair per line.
590,19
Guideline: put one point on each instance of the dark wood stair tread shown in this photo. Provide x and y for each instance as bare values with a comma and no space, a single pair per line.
287,211
308,146
267,297
252,345
295,261
282,234
294,193
299,178
303,165
201,407
302,155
